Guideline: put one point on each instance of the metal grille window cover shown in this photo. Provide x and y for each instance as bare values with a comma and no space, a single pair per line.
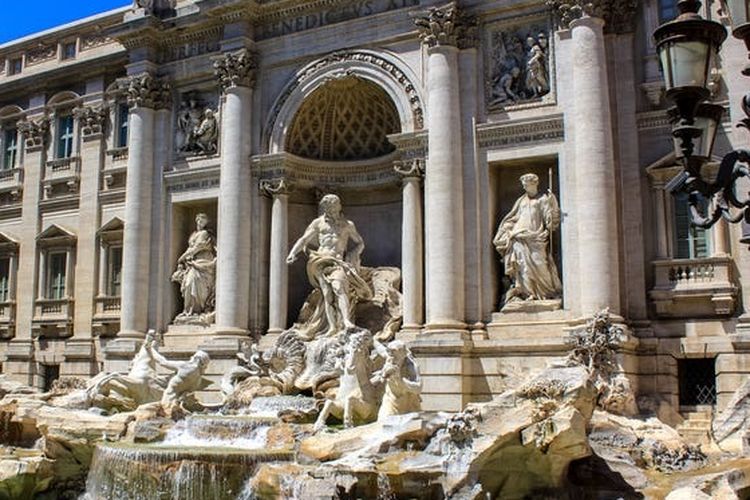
697,381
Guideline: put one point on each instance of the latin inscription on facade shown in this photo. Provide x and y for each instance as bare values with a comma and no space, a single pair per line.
332,16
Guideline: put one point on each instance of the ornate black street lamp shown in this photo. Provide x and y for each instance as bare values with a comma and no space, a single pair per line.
687,47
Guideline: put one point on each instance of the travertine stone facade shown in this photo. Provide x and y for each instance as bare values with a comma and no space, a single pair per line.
421,116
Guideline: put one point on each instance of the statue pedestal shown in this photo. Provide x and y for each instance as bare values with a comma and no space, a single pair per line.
532,306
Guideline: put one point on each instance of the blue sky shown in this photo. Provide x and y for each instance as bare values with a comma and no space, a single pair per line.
24,17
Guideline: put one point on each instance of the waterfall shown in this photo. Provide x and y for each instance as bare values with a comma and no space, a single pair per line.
244,432
145,472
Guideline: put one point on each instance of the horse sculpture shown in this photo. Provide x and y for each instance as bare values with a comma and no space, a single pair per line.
357,399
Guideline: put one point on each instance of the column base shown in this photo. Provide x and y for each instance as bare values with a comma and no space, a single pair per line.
454,328
131,334
230,331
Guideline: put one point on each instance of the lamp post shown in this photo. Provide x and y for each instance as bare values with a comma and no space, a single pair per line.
687,47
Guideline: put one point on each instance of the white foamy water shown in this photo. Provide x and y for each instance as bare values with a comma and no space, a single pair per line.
221,432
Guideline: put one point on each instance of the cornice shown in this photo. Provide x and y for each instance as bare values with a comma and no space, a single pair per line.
502,135
619,15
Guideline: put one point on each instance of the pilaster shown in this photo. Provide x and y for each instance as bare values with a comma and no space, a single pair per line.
278,289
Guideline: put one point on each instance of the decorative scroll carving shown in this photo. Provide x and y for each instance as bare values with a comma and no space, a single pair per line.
92,120
40,54
274,187
410,168
146,91
34,133
619,15
446,25
236,69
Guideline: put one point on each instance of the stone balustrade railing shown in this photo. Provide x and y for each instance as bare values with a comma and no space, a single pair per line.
694,287
107,306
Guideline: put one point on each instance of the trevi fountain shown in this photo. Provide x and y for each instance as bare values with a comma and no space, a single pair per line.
333,409
381,249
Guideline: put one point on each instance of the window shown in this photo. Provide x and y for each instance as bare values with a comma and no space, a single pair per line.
123,115
697,379
114,271
69,50
56,275
667,10
4,279
691,242
15,66
65,136
10,148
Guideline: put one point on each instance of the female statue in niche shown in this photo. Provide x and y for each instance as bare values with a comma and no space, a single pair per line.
196,274
523,240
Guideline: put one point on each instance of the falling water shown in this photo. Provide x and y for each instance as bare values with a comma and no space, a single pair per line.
245,432
145,472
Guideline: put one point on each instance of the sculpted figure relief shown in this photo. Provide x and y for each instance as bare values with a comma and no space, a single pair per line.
519,66
198,129
403,385
196,274
523,240
332,268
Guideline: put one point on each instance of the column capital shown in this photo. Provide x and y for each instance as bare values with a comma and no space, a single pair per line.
412,168
236,69
447,25
619,15
92,120
275,187
146,91
35,133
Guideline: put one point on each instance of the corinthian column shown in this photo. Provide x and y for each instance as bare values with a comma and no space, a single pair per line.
278,287
440,30
236,74
411,243
145,95
595,176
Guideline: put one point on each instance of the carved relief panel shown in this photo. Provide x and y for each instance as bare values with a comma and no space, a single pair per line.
197,124
519,63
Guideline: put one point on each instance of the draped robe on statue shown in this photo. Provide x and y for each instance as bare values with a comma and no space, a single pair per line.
523,240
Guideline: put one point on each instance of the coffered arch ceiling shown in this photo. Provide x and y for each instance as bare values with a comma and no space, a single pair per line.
347,119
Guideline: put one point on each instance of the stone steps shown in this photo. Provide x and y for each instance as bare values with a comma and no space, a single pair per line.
696,428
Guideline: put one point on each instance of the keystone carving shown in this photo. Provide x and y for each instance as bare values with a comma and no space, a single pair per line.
146,91
446,25
236,69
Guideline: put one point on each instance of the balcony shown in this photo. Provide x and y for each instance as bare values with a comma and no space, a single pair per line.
115,169
63,171
7,319
692,288
106,319
11,181
53,318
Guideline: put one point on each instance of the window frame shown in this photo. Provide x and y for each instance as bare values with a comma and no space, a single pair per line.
122,125
69,136
9,131
64,55
49,284
114,288
692,238
12,69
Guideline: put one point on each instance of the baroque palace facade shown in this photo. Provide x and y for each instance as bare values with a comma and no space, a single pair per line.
123,131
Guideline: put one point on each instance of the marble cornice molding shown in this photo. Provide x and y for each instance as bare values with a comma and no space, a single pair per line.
92,120
410,145
236,69
447,25
619,15
501,135
279,186
306,173
146,91
35,133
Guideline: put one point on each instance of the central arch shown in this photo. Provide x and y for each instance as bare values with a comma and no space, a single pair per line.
380,70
